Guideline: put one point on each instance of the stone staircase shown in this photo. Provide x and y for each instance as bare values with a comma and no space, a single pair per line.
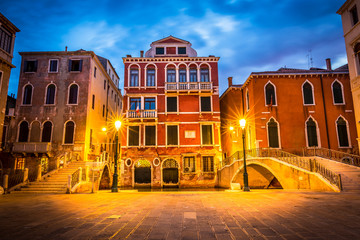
350,175
56,183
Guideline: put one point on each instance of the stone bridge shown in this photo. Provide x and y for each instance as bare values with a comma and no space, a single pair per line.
272,172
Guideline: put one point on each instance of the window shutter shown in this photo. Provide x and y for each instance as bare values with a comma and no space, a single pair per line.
35,65
70,65
80,65
25,66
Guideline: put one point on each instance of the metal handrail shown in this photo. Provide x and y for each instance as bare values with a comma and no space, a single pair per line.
75,178
338,156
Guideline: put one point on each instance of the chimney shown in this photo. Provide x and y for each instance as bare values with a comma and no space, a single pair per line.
141,53
328,64
230,81
65,48
129,56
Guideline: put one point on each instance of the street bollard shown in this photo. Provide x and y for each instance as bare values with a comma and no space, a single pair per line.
87,173
38,168
6,183
26,175
80,174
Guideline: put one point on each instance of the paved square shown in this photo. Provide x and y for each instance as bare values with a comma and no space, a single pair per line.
266,214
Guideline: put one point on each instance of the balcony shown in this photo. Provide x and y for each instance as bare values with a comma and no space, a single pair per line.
141,114
188,86
32,147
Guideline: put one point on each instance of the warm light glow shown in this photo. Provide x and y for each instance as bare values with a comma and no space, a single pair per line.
103,129
117,125
242,123
231,128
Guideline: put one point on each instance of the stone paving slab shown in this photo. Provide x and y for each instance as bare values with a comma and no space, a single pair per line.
263,214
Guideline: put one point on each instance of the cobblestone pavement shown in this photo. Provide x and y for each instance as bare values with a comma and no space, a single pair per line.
181,215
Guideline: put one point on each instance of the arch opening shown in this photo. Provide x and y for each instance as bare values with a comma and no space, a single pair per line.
105,179
259,178
142,173
170,172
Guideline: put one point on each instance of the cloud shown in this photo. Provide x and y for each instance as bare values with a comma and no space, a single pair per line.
96,36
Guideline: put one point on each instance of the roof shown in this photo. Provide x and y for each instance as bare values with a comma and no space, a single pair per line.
8,24
171,39
286,71
344,7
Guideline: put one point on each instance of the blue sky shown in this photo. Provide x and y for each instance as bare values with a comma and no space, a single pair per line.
247,35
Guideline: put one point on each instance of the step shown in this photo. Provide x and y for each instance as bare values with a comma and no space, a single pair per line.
43,189
38,192
47,184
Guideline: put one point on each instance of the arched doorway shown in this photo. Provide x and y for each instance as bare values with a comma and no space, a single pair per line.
105,179
259,178
142,173
170,172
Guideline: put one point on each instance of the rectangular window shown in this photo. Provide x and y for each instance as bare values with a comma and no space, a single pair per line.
75,65
207,136
181,50
5,40
135,103
133,135
182,75
205,104
189,164
134,78
171,50
193,75
150,135
171,75
104,84
204,75
208,164
160,51
150,77
93,102
94,72
103,110
30,65
53,65
149,103
171,104
172,135
91,133
20,163
354,15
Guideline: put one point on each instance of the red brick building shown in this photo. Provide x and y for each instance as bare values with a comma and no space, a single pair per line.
172,132
291,109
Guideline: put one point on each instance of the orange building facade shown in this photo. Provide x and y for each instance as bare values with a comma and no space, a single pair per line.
171,133
291,109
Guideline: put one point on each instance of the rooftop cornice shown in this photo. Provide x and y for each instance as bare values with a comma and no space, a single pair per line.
169,59
73,53
344,7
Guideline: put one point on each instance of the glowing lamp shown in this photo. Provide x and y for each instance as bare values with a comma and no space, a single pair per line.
231,128
117,125
103,129
242,123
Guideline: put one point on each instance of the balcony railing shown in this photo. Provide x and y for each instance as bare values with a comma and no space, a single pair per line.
32,147
141,114
188,86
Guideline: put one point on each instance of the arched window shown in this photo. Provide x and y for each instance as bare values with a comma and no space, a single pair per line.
73,94
182,74
273,133
337,92
23,131
27,94
342,132
171,74
311,130
134,77
204,74
270,94
193,74
150,77
69,132
35,131
50,94
247,100
46,132
308,93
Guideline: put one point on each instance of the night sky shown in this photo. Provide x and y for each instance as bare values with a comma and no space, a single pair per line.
247,35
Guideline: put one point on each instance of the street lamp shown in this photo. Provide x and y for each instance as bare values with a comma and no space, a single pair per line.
246,181
114,187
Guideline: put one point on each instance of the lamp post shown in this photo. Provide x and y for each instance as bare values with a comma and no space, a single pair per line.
246,181
114,187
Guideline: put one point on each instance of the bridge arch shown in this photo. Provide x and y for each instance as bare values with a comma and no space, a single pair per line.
260,175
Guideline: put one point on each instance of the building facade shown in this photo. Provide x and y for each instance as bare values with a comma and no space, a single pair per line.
64,101
7,40
291,109
172,132
349,12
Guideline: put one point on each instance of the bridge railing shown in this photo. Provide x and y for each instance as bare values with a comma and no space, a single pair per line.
311,165
338,156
